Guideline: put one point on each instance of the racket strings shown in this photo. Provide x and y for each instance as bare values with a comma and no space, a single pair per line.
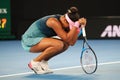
88,61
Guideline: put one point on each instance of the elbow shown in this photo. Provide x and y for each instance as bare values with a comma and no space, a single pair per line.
72,44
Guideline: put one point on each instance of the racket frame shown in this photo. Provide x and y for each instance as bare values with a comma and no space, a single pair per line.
83,48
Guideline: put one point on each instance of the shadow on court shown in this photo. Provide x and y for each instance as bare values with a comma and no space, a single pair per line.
61,77
109,71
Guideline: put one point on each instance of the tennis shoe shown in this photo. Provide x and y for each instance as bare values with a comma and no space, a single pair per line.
36,67
45,67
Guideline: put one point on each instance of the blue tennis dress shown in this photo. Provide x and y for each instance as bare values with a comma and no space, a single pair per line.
37,31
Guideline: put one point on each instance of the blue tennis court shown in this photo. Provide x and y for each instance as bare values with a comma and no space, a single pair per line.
14,60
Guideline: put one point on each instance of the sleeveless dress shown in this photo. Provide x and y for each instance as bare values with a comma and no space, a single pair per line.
37,31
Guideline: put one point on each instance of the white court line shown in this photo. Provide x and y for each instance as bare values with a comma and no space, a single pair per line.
18,74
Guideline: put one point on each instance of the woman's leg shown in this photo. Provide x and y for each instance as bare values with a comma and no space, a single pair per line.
49,47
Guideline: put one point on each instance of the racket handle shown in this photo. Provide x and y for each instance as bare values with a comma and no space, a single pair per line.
83,30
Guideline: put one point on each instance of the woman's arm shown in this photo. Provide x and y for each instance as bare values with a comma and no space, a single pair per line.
74,39
82,21
57,27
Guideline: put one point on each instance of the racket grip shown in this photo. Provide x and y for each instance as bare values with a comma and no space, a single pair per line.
83,30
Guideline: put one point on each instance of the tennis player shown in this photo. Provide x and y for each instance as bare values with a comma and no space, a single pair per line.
38,38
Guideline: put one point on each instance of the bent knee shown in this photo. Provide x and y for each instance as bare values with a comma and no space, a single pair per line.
59,45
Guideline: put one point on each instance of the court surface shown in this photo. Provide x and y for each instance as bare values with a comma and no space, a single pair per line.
66,66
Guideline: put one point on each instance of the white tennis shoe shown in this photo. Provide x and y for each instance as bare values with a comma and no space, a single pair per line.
39,67
45,67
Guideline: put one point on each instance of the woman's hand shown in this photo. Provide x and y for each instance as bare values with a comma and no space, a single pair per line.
82,21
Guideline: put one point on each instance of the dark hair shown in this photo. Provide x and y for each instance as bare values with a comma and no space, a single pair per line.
73,13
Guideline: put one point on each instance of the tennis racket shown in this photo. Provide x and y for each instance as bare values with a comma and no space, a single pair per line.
88,57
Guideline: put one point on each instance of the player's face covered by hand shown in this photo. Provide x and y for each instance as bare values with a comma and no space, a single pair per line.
64,22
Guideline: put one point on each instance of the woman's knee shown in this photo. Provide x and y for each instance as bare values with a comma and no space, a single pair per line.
59,45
